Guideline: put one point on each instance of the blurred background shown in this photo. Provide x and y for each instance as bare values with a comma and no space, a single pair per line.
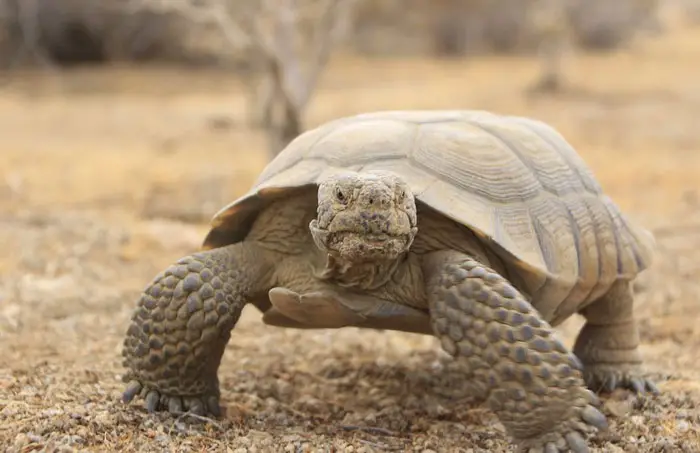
126,124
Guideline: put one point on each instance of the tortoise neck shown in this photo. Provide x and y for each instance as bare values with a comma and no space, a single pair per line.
365,276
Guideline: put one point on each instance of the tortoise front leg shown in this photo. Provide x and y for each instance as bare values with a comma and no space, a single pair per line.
608,344
532,382
182,324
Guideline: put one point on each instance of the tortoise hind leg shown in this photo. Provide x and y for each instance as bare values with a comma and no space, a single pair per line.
608,344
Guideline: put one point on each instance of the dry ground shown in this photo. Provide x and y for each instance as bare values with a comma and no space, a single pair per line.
107,177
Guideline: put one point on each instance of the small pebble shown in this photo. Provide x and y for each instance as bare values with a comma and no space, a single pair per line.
682,426
35,437
638,420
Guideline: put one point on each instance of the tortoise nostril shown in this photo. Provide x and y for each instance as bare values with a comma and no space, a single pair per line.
371,200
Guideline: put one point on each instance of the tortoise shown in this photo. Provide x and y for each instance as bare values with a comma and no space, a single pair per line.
485,230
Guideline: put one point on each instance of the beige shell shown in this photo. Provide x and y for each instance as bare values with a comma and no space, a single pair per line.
515,181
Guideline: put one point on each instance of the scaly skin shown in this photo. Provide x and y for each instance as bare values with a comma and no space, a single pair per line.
608,344
180,329
534,384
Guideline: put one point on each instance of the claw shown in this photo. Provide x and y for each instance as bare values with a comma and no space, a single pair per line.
175,405
610,383
213,405
551,448
132,389
195,406
594,417
593,398
576,442
637,385
152,400
607,381
155,400
652,388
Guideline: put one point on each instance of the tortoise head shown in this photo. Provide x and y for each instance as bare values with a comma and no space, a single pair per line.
364,216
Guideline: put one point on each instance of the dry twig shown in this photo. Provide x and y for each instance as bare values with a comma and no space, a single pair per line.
289,43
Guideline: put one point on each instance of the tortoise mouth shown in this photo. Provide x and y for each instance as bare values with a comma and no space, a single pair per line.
358,247
376,238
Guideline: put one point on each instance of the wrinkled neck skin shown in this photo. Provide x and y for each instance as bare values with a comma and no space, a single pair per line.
364,275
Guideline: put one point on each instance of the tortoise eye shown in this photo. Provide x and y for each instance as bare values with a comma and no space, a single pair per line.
340,195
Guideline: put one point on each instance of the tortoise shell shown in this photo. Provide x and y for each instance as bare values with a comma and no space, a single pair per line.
514,181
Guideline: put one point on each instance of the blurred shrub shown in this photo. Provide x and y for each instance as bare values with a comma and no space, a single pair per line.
91,31
71,32
600,24
476,26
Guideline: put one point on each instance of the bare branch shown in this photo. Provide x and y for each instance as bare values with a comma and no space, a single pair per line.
330,30
28,17
205,13
289,42
299,84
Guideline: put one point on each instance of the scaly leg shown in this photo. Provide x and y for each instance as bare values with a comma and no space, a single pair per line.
532,382
182,324
608,343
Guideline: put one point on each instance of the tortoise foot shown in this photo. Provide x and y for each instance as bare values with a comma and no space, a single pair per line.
155,400
607,378
568,436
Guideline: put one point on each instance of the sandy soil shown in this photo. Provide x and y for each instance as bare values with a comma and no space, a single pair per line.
106,177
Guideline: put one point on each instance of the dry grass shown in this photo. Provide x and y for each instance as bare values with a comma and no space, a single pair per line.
98,171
